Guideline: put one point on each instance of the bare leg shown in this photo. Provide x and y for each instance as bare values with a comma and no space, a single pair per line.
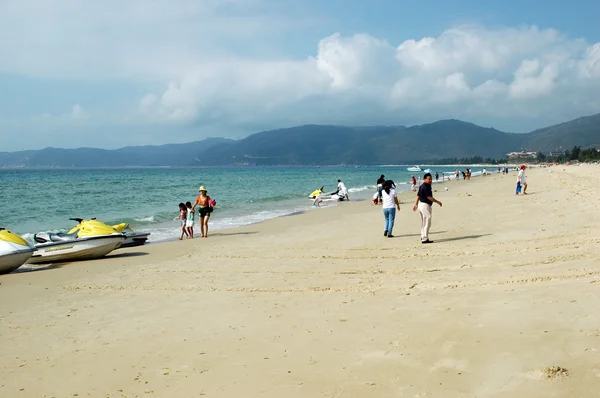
524,188
202,227
206,226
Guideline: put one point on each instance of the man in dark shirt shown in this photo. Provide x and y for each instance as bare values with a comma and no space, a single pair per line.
424,201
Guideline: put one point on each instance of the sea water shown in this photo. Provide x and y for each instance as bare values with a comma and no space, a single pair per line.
147,198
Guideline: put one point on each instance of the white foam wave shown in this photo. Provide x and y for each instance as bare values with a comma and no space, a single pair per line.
145,219
167,233
361,189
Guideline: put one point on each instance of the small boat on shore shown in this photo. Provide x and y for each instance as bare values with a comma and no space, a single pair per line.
14,251
87,241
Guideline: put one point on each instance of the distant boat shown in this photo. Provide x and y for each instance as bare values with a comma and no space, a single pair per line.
415,168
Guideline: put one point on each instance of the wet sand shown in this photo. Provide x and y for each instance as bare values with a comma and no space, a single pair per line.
505,303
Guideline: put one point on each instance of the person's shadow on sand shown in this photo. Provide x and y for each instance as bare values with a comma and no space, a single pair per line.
460,238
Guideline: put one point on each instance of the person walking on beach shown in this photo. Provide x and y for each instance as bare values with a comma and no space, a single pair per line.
189,223
456,174
380,182
436,176
389,206
182,220
423,203
205,207
521,181
413,181
343,190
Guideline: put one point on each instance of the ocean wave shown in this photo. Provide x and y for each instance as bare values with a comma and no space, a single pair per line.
274,198
149,219
362,189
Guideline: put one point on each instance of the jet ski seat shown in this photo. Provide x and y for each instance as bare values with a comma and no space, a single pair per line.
58,237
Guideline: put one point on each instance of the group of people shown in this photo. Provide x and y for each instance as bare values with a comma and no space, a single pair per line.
341,192
423,203
466,175
187,214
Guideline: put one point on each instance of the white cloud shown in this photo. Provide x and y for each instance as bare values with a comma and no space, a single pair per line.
468,72
77,113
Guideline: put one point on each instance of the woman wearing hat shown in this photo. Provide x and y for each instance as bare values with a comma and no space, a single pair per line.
204,203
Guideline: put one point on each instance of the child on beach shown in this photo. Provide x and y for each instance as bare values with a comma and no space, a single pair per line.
189,223
317,201
182,219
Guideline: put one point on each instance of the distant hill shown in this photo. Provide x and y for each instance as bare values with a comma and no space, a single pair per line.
321,145
313,144
140,156
584,132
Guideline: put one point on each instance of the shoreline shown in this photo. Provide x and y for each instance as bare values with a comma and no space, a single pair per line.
402,196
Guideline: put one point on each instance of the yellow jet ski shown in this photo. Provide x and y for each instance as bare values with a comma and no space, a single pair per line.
316,193
326,196
132,238
88,240
14,251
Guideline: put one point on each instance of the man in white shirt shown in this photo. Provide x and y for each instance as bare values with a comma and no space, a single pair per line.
522,180
342,189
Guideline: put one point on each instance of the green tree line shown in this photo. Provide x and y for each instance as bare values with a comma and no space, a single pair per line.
577,153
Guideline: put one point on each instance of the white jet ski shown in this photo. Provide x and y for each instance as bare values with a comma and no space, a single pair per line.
325,196
14,251
87,241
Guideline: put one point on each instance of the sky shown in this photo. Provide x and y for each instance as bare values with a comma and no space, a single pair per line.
109,74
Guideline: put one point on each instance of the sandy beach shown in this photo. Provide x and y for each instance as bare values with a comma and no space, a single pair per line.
505,303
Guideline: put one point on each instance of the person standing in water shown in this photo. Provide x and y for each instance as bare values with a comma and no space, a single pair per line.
389,206
423,203
413,182
437,176
342,189
204,202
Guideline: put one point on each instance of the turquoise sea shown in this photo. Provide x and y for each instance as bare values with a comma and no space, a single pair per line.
43,200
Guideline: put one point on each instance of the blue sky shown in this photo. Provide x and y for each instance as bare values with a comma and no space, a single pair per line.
133,72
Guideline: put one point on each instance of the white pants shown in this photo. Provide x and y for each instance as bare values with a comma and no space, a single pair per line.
425,211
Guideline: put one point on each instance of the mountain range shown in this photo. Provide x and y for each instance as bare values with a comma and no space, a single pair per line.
324,144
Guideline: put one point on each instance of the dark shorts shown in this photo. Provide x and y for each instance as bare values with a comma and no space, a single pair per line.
204,212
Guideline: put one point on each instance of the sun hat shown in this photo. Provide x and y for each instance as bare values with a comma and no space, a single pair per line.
202,188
